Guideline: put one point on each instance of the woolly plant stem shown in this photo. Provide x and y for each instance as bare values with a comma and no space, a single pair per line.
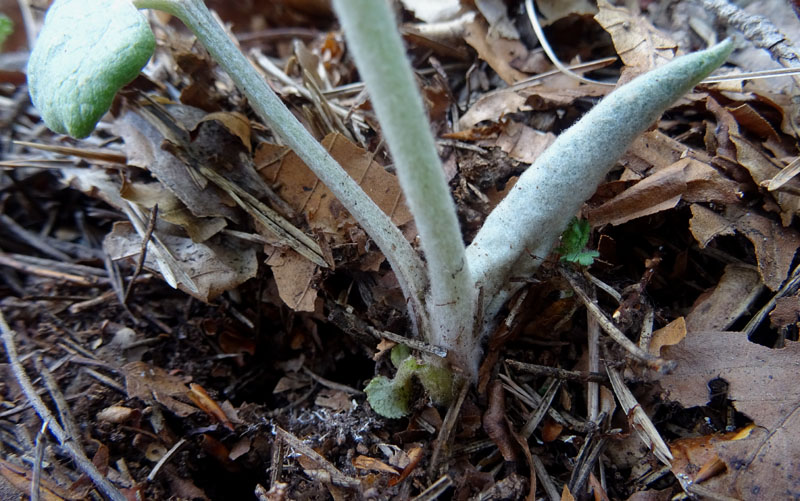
402,257
524,227
375,44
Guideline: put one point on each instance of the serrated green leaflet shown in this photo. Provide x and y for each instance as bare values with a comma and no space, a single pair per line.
87,50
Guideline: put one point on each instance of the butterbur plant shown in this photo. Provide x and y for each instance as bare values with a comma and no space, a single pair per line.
456,293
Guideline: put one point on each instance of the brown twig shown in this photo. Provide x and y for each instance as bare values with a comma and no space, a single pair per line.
64,440
608,326
543,370
151,226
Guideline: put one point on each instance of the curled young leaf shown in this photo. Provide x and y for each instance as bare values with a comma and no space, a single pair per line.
87,50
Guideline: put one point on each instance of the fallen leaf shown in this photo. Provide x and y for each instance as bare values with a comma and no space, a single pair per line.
656,150
695,459
496,13
294,275
496,104
521,142
498,52
762,170
687,180
142,145
774,245
639,44
670,334
734,294
21,478
149,383
763,385
203,400
337,400
234,122
301,189
172,210
786,312
213,267
367,463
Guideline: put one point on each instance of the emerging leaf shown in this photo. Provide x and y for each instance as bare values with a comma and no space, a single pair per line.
573,243
86,52
392,398
6,28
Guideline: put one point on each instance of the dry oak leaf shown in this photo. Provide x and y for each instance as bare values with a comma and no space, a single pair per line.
763,385
520,142
213,267
294,275
498,52
733,296
639,44
775,245
687,180
762,170
300,188
149,383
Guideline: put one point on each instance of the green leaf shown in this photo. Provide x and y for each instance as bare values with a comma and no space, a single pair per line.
6,28
573,243
392,398
399,353
86,52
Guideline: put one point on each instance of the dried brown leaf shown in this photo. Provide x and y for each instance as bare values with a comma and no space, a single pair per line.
762,170
294,276
521,142
148,382
301,189
172,210
672,333
213,267
203,400
686,180
498,52
21,478
639,44
775,246
372,464
763,385
143,147
733,296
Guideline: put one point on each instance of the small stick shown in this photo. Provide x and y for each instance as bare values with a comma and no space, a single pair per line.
541,410
608,326
448,427
337,477
435,490
85,465
37,466
556,372
151,226
638,419
593,389
161,462
7,260
64,412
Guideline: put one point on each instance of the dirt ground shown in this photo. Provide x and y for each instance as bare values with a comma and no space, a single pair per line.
246,380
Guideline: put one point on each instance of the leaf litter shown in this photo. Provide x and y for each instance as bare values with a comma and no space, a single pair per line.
695,233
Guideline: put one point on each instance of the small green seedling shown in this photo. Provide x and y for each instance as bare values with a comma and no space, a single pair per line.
455,295
393,398
573,243
6,29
